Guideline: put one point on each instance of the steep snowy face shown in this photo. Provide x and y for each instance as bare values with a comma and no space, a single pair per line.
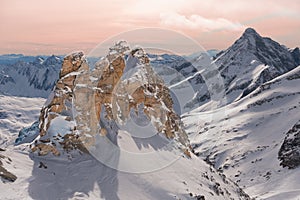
255,140
52,61
251,61
184,77
30,78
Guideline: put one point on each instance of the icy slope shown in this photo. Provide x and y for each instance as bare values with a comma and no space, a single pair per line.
243,139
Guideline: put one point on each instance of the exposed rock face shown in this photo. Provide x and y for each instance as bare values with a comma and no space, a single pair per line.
59,103
83,100
145,88
289,153
296,55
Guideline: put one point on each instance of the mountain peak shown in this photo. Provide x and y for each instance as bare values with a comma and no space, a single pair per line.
53,60
38,60
250,31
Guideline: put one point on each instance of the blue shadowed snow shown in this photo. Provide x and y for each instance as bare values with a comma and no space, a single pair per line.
28,134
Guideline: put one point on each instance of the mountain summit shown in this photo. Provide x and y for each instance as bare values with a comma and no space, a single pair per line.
251,61
250,32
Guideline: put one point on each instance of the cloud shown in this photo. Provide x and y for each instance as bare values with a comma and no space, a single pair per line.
199,22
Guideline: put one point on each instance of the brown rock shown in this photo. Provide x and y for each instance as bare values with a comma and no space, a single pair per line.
103,89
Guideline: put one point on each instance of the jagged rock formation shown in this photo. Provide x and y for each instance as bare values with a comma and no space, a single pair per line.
289,153
154,96
81,99
60,104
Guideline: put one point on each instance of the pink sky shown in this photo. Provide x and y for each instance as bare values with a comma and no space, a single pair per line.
62,26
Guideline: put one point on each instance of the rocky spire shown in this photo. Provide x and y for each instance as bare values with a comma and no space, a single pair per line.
83,100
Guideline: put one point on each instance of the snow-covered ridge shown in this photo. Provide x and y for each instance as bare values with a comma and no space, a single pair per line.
34,77
251,61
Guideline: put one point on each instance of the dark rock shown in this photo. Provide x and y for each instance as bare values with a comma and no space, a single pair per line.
42,165
200,197
289,153
6,175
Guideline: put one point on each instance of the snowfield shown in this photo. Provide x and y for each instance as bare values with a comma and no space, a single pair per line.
243,139
15,114
80,176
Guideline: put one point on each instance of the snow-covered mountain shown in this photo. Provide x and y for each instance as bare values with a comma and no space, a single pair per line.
8,59
251,61
249,142
255,141
34,78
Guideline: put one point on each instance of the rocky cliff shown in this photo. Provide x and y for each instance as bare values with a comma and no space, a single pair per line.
85,103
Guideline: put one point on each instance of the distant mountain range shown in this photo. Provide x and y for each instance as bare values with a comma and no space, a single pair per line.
28,76
249,62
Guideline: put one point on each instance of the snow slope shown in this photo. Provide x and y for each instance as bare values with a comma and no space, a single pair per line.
15,114
80,176
83,177
243,139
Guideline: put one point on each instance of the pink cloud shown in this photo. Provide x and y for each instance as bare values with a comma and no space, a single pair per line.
65,24
199,22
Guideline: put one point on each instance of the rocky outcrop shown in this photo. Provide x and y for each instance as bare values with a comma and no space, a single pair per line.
4,173
59,104
83,100
289,153
146,88
296,55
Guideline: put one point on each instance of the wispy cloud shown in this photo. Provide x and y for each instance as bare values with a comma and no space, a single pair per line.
198,22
